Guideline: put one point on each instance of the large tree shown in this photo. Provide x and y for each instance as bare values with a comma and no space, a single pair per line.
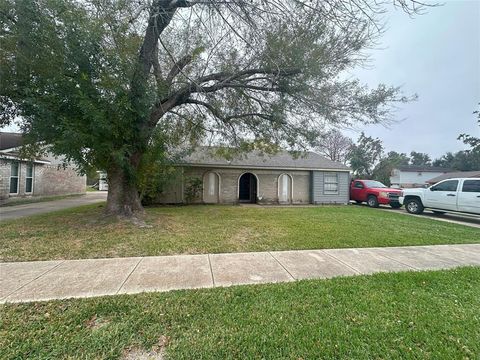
100,80
420,159
364,156
334,145
383,170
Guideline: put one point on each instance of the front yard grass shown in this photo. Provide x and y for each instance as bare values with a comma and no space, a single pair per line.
83,233
425,315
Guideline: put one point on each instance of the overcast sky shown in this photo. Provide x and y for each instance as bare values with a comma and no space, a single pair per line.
437,56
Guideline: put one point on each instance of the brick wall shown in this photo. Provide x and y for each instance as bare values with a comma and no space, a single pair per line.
47,180
267,188
4,179
54,180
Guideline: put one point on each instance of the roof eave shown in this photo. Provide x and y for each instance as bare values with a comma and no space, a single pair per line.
263,167
10,157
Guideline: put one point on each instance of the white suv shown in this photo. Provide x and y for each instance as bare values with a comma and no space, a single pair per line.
452,195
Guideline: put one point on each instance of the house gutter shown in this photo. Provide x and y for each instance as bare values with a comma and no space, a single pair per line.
262,167
10,157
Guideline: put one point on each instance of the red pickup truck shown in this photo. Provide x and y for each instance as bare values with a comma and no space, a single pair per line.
374,193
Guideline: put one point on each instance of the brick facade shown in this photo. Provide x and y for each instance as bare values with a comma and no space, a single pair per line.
267,186
47,180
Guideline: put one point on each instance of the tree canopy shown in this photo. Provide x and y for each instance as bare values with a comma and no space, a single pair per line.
334,145
100,80
365,155
420,159
471,140
383,170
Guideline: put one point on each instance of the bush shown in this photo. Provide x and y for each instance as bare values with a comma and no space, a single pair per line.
193,188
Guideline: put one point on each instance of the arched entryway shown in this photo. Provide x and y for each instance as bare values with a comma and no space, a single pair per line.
247,188
285,189
211,188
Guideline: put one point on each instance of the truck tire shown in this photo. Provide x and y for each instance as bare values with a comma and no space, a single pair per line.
414,206
372,201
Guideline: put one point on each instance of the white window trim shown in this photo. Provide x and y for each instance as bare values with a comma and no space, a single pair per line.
29,177
330,192
18,179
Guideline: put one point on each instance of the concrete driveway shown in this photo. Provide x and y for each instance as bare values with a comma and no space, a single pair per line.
19,211
467,220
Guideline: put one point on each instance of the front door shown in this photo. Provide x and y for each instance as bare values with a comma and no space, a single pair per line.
247,188
442,195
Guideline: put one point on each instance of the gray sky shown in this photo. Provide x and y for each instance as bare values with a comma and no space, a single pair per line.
437,56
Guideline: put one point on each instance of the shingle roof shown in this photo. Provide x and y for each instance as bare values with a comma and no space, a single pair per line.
10,140
457,174
422,168
282,160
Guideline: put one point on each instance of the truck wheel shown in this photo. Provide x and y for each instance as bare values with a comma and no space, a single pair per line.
395,206
414,206
372,201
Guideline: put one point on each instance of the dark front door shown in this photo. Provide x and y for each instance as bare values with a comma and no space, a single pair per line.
247,191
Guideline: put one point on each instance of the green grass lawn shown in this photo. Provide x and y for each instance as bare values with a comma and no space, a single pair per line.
425,315
83,233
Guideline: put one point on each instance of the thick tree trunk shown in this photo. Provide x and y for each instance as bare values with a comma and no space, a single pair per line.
123,198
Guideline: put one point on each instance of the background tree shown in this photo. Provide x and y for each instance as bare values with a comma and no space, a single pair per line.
460,161
364,155
384,168
334,146
97,80
420,159
466,160
472,141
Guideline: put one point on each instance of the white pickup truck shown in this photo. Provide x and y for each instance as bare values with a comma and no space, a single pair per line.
452,195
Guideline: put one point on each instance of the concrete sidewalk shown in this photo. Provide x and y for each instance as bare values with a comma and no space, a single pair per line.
46,280
20,211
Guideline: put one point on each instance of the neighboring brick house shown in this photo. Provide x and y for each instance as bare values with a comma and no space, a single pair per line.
41,177
269,179
411,176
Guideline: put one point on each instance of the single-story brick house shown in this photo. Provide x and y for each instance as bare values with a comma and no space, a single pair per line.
43,176
263,179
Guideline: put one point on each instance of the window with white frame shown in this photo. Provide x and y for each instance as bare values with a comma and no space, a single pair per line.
14,172
330,184
29,179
